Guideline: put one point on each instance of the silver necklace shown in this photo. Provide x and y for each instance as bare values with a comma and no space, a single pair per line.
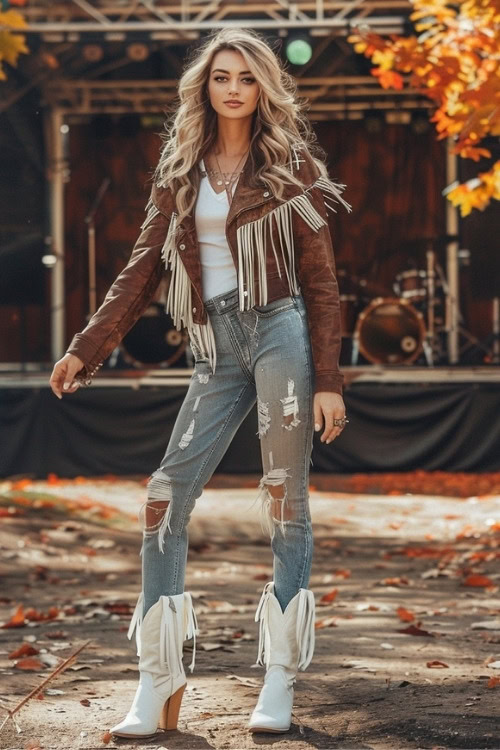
223,176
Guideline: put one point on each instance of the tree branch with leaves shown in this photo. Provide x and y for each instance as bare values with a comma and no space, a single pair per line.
12,44
455,61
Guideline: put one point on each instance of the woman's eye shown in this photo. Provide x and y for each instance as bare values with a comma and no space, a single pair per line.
223,78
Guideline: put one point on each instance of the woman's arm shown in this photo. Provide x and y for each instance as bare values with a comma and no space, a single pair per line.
129,295
316,273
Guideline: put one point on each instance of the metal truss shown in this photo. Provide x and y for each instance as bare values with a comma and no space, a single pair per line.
332,97
184,20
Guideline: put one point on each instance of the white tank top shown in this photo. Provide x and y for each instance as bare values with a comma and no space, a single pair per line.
218,271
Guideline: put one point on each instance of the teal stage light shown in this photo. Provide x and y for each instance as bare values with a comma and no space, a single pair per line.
298,50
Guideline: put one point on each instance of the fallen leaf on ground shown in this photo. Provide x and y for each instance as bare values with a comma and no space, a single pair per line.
477,580
24,650
436,664
327,622
327,598
396,581
415,630
30,664
405,615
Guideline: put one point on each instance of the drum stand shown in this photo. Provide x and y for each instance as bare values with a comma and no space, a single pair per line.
492,352
471,341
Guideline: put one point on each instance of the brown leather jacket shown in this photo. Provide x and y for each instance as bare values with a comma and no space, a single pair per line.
299,258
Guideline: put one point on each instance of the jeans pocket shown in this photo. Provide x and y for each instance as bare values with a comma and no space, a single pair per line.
274,307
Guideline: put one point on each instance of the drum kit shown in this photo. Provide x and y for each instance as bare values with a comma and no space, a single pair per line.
402,326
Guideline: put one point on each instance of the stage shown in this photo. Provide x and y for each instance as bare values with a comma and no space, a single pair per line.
401,419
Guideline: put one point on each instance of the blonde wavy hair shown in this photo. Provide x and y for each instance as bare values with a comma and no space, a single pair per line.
279,124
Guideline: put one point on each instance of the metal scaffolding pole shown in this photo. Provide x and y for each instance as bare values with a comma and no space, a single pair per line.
53,123
452,269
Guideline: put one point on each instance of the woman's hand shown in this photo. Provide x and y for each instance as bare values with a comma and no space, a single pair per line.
329,406
63,373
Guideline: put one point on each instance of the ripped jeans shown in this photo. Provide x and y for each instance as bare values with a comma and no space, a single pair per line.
263,355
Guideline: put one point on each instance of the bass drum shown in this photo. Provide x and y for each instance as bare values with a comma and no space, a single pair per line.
154,341
390,331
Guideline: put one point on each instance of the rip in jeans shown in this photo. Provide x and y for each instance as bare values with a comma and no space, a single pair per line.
274,508
155,513
290,408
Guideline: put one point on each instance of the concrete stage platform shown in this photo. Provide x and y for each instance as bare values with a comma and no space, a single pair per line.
34,375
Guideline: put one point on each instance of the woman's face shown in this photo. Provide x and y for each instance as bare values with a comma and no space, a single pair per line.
229,80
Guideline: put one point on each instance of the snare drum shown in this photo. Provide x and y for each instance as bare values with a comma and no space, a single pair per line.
411,285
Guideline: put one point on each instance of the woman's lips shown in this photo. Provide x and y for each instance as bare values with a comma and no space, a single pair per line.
233,104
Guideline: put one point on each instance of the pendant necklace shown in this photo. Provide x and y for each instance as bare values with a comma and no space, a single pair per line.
232,176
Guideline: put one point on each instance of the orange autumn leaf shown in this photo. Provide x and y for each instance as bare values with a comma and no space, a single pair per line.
17,619
21,484
388,79
436,664
493,682
29,664
326,598
326,622
11,512
475,579
24,650
342,573
415,630
21,616
405,615
452,59
396,581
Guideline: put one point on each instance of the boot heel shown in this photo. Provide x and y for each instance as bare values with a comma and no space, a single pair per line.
170,711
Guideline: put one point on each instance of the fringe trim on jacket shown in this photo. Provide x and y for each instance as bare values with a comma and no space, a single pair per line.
252,241
179,299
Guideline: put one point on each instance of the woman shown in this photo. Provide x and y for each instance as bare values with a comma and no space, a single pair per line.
238,223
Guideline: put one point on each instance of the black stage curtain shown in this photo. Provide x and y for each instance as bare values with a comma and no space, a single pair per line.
393,427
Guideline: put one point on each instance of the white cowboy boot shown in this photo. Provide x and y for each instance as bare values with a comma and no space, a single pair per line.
159,637
286,644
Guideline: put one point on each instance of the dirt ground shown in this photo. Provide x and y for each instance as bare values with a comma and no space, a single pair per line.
407,622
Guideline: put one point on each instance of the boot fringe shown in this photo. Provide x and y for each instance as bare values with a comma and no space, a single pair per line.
305,627
136,622
191,624
170,653
168,622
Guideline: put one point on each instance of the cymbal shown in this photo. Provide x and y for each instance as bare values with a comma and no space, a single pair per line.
355,284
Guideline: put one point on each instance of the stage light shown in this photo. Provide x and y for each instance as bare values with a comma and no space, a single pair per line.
298,49
374,121
49,260
398,117
137,52
93,52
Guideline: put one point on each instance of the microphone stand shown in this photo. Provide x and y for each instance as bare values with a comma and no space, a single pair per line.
90,222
